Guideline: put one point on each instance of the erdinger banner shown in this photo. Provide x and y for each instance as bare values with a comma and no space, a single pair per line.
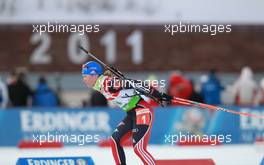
56,160
67,126
89,126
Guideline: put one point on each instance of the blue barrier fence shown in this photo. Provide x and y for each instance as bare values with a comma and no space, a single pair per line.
95,124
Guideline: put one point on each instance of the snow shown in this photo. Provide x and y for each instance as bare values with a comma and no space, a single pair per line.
222,155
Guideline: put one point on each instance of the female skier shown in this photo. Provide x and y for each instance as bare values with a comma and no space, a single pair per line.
139,118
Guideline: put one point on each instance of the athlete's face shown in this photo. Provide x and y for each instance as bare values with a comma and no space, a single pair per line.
90,80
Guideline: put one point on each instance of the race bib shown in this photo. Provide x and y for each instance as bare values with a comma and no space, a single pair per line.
143,116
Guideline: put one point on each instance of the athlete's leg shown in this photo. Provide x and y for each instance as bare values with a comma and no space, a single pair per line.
141,133
121,133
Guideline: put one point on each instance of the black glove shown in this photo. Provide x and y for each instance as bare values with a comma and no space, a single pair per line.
166,97
161,96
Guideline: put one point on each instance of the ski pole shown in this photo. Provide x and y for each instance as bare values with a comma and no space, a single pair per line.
212,107
175,99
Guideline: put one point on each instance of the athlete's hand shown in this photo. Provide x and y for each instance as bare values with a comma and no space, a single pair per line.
166,97
161,97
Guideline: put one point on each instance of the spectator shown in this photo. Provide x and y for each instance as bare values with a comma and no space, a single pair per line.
245,89
44,96
179,86
3,94
195,96
211,89
262,91
18,90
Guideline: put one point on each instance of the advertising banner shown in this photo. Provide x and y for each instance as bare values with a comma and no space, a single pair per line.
89,126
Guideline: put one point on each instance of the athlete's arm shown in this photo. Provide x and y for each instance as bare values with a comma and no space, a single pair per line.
149,90
115,85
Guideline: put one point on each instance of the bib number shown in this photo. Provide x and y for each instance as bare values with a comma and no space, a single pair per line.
143,116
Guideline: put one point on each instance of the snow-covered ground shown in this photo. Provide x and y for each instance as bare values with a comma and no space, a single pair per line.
222,155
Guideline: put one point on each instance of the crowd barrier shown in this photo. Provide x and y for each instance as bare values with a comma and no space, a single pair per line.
172,126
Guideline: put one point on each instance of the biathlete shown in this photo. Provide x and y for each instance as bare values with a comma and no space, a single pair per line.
139,118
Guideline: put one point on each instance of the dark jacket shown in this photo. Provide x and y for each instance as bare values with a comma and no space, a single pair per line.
44,96
19,93
211,90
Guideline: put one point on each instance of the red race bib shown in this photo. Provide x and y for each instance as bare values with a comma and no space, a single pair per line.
143,116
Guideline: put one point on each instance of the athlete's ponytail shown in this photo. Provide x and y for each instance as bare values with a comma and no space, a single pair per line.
108,73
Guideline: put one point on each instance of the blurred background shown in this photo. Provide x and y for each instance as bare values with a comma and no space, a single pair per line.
41,88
